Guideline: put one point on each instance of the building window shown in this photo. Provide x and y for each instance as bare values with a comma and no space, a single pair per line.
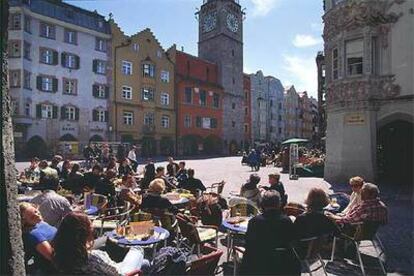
135,47
246,110
213,123
148,70
280,118
271,103
149,119
70,113
159,54
165,76
375,56
216,100
26,80
188,95
165,121
280,130
27,24
16,21
47,111
14,49
71,36
147,94
99,66
14,107
246,128
126,67
26,50
47,30
27,110
70,61
187,121
203,98
280,106
70,86
101,116
14,76
47,83
48,56
100,91
100,44
165,99
127,92
335,65
354,56
233,124
233,106
128,118
198,121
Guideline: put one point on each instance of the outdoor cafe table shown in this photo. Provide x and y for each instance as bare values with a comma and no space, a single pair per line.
160,234
234,229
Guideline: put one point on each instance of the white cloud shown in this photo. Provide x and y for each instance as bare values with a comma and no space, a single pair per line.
304,40
263,7
302,73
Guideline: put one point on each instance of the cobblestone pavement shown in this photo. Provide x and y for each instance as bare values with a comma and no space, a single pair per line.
397,236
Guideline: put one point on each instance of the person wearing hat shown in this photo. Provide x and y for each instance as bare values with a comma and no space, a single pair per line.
276,185
250,191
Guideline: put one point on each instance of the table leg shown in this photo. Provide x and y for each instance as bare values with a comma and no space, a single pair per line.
228,245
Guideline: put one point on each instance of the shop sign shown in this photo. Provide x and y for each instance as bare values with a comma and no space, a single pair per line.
355,119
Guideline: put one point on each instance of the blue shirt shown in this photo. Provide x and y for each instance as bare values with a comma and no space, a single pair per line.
40,233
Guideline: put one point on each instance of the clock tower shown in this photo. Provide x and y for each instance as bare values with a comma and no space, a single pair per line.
221,42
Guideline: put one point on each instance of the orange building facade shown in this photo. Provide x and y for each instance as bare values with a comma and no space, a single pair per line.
199,106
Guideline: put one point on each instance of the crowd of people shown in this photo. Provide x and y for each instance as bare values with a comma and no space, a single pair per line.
54,228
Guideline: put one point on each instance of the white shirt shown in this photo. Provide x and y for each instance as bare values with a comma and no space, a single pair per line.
132,155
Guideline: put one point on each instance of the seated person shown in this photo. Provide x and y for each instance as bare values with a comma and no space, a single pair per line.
172,167
182,172
106,187
356,185
127,193
92,179
260,257
370,209
192,184
250,191
52,206
125,167
37,237
277,186
33,169
153,200
111,165
160,173
64,173
75,180
49,178
313,222
74,255
149,174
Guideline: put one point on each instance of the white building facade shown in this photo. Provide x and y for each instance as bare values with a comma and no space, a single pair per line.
58,65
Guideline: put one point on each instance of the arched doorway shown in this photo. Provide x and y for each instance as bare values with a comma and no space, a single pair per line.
96,138
36,147
191,144
166,145
395,152
233,147
148,146
68,145
212,145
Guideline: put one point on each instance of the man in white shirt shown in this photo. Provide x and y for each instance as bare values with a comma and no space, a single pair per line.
133,158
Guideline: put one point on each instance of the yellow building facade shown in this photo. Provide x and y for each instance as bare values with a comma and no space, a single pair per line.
142,100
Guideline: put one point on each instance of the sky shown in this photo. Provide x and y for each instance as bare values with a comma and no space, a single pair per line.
281,37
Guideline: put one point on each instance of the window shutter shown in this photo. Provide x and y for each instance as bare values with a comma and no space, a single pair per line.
77,60
106,92
106,116
55,112
63,113
63,59
39,83
94,65
55,58
95,90
55,84
94,115
38,111
76,114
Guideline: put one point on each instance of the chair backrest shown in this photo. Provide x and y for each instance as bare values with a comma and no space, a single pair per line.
187,229
220,187
311,247
99,201
293,209
366,230
206,264
140,216
244,210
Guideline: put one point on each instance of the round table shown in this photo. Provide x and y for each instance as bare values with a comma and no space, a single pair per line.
91,210
182,200
160,234
119,189
233,228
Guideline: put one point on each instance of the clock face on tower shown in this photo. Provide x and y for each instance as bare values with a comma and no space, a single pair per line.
209,22
232,22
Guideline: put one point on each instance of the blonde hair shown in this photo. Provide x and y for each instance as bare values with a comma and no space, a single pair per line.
23,206
156,186
356,180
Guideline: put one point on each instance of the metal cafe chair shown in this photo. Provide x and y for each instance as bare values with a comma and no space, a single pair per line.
207,263
216,187
312,247
366,231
